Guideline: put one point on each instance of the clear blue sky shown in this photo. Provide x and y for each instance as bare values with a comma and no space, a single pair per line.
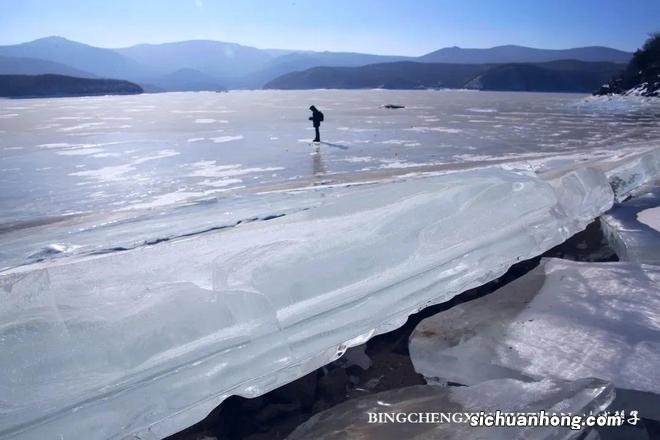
406,27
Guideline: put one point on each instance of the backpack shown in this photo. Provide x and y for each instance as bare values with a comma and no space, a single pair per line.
320,117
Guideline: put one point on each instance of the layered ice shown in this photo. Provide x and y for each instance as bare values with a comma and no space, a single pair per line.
161,334
628,226
350,420
156,220
564,320
625,177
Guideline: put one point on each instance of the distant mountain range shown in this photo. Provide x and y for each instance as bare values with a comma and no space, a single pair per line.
521,54
396,75
36,66
32,86
214,65
553,76
93,61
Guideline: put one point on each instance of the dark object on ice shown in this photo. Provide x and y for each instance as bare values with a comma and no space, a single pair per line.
642,76
316,118
393,106
25,86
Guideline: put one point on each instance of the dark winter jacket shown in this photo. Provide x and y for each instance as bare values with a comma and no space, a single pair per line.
316,117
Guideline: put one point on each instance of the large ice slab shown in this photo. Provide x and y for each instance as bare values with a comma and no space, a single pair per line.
148,341
628,174
563,320
122,230
629,229
350,420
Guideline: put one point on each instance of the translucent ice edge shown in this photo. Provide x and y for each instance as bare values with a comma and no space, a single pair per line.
626,175
630,238
147,341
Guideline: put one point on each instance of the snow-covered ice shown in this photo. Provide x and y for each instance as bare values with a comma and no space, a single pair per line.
564,320
350,420
628,226
650,217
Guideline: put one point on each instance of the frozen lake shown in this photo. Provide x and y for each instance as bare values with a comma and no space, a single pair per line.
189,247
106,159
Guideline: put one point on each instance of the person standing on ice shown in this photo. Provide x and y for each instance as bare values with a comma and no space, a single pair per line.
316,118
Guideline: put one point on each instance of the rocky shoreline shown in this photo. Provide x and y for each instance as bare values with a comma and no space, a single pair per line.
642,76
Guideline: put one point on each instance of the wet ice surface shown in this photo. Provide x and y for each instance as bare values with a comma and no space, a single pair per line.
350,420
89,163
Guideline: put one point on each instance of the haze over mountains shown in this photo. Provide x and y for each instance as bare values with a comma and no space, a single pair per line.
521,54
214,65
551,76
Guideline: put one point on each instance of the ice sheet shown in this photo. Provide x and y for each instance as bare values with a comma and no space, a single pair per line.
46,174
91,188
242,310
157,220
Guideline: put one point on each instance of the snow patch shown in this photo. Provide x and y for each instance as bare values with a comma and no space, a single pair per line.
437,129
223,139
79,151
86,125
482,110
650,217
